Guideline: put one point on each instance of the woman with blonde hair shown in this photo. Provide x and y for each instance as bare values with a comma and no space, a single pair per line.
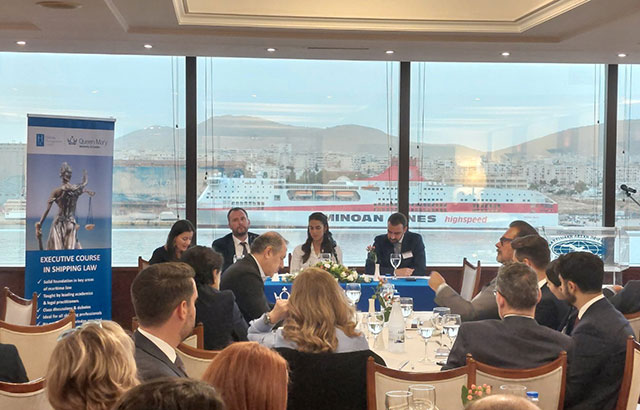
249,377
91,367
317,318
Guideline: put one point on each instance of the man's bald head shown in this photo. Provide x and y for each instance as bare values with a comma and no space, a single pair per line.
502,402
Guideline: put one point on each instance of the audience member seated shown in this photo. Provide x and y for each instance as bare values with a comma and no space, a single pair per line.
399,240
235,245
533,250
555,286
178,241
249,377
317,318
171,394
627,299
502,402
91,367
163,297
599,336
11,367
246,277
216,310
517,341
319,240
483,305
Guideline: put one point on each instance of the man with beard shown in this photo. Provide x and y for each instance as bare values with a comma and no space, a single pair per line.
164,297
599,336
483,305
237,243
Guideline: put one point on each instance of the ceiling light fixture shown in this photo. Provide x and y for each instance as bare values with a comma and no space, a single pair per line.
389,52
59,5
21,43
148,46
271,50
622,55
506,54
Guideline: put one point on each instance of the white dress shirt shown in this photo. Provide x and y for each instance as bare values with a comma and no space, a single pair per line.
298,253
587,305
168,351
239,248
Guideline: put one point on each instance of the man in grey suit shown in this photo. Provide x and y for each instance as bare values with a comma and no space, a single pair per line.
483,305
246,277
517,341
164,297
599,336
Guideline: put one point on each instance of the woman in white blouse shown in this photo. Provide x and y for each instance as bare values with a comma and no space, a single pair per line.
319,241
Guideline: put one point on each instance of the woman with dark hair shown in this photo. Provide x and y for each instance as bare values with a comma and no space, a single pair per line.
178,241
216,310
319,241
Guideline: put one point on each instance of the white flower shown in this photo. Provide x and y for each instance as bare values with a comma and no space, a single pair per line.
353,277
367,279
327,266
343,275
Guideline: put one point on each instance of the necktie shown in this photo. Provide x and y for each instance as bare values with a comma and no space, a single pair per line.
180,365
244,248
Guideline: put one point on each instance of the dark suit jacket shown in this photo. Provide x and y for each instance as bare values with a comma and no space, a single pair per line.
514,342
226,247
244,280
223,323
151,361
384,248
11,367
569,321
628,299
550,311
597,365
160,255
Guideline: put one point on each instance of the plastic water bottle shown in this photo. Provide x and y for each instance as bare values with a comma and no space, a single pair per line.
396,328
533,397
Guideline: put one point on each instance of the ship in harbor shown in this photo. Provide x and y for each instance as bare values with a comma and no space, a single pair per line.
275,203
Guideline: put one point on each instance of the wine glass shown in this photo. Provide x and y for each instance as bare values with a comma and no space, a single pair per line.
325,257
406,306
425,330
395,261
353,291
423,397
397,400
375,321
514,389
437,319
451,325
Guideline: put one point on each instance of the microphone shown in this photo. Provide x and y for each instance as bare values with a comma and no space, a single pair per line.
628,189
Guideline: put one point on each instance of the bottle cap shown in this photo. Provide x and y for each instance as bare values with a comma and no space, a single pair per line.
532,394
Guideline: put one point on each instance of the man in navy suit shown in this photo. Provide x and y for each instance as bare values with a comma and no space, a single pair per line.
533,250
599,336
627,300
399,240
164,297
238,242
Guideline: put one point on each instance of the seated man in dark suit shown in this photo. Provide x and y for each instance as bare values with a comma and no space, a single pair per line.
238,242
11,367
483,305
599,336
555,286
164,297
627,300
246,277
399,240
533,251
517,341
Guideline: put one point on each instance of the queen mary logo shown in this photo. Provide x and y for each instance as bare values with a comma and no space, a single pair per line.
577,243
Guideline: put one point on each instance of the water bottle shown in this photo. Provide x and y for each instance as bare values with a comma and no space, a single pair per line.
396,328
533,397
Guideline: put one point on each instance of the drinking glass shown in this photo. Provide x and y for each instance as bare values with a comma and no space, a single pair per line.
451,325
325,257
515,389
406,306
425,330
437,319
375,321
423,397
395,261
397,400
236,258
353,291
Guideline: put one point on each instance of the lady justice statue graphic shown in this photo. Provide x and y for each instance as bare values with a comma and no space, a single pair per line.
63,233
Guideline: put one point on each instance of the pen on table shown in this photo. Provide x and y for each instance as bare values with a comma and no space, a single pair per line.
403,365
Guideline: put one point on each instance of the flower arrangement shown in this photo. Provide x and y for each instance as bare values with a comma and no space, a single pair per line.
371,254
474,393
384,298
340,272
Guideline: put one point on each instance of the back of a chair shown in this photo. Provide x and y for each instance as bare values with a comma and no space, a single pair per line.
142,263
35,344
448,384
548,380
195,360
195,340
630,386
25,396
17,310
634,321
470,279
320,381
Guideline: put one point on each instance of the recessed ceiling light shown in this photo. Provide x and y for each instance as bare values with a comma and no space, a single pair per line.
389,52
506,54
271,50
622,55
21,43
60,5
148,46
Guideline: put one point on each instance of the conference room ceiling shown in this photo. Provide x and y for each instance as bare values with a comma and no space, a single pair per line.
580,31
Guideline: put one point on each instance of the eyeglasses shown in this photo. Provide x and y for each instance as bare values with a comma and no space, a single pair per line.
68,332
503,240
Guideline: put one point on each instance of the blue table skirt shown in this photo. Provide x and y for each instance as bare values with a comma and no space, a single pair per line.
419,290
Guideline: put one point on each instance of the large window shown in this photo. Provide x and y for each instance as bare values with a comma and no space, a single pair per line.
285,138
146,97
491,143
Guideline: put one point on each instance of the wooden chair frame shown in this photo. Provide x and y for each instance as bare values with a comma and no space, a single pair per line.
476,284
625,387
560,362
198,330
8,294
373,368
142,263
199,353
70,318
632,316
30,387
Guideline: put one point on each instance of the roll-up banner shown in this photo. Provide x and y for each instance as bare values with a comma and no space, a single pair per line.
68,235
